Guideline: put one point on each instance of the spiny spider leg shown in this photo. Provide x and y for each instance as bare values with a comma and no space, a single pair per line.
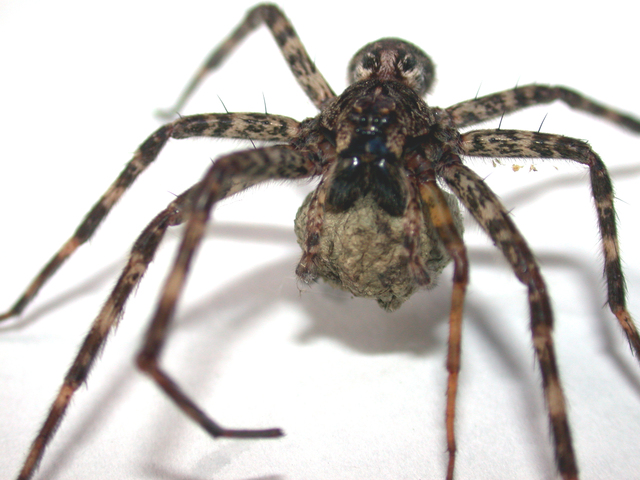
140,257
254,166
254,126
486,208
515,143
142,254
491,106
441,218
309,78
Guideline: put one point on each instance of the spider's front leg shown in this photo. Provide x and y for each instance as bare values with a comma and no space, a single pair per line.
242,168
301,65
472,112
253,126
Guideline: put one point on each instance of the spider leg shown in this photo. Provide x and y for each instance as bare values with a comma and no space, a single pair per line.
307,270
301,65
413,218
254,126
253,166
485,108
140,257
513,143
486,208
440,214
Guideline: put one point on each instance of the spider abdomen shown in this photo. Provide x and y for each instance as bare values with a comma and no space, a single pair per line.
363,250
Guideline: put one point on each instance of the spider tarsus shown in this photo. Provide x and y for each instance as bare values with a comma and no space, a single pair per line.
307,272
629,327
420,274
16,309
451,465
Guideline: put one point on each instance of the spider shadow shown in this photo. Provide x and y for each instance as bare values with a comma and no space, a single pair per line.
84,287
358,323
605,323
154,471
528,194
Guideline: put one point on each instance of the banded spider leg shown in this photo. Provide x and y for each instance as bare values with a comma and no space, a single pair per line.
267,163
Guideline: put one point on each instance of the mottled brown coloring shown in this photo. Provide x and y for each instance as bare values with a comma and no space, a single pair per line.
379,223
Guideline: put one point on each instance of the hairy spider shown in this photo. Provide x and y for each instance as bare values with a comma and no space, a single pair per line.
380,223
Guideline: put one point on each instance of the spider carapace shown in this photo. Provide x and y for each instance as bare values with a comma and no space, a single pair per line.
383,221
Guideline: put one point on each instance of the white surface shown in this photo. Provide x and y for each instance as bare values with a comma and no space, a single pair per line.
359,393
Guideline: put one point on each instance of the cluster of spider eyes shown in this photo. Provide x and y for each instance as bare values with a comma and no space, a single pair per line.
371,124
375,120
407,63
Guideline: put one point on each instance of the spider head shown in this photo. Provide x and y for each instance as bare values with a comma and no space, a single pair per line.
393,59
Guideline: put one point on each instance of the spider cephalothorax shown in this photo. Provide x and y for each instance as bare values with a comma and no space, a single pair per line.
380,223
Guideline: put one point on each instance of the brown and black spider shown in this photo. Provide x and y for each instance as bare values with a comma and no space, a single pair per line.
428,140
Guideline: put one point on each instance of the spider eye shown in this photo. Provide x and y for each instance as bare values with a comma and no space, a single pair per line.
369,62
408,63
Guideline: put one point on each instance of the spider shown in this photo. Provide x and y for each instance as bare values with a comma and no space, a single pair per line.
382,223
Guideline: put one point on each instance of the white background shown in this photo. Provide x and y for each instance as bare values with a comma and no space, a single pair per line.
360,393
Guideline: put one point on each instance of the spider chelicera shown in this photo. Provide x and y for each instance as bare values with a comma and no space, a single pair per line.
382,223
